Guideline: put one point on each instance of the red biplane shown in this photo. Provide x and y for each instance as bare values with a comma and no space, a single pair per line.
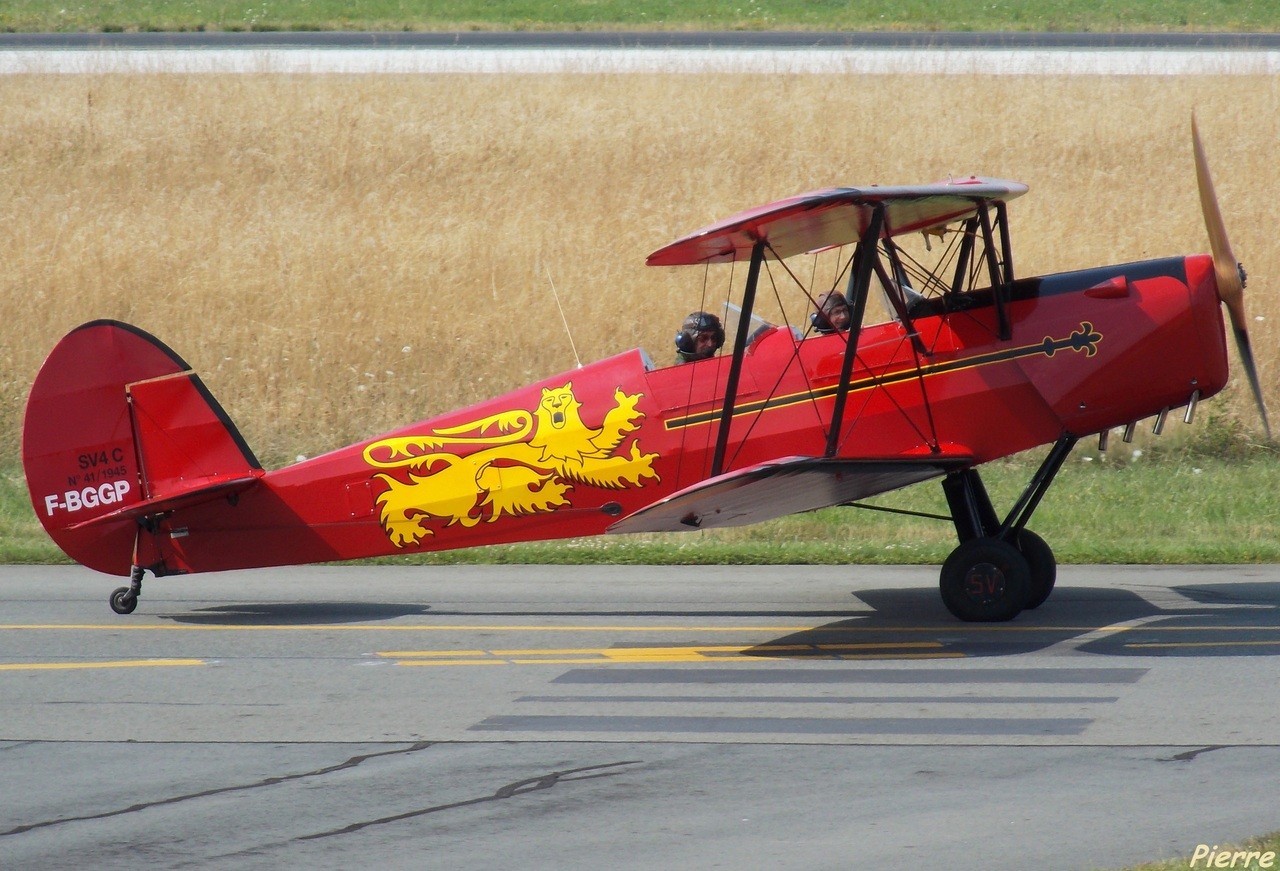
134,467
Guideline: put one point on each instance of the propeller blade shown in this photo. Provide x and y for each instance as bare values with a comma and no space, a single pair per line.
1227,271
1230,286
1246,357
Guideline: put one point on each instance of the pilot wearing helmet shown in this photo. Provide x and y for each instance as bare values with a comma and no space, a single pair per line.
832,313
700,337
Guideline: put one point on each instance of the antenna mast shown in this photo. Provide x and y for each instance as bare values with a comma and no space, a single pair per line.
563,319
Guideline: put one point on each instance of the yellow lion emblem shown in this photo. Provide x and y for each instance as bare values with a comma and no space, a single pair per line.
527,464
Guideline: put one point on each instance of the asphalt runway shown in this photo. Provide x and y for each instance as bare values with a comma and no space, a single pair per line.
632,717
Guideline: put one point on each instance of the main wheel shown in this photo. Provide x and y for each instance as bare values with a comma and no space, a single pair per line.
123,601
1044,568
985,580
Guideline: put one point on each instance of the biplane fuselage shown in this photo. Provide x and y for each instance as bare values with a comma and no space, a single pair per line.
575,453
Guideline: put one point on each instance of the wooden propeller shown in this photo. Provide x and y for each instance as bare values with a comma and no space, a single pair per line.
1226,268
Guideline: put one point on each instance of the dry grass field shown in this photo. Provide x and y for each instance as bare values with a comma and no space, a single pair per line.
338,255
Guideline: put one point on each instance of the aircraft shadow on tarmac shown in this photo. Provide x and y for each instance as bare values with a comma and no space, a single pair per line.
305,613
1241,619
1212,620
299,613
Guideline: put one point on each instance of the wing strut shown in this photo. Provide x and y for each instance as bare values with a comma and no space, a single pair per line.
1006,247
966,252
859,286
999,286
739,348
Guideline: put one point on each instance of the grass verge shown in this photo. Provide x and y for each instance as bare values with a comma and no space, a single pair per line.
1048,15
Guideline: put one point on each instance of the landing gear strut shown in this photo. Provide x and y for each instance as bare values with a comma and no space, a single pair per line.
1000,568
125,599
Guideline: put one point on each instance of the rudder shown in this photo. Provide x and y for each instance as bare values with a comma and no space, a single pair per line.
117,425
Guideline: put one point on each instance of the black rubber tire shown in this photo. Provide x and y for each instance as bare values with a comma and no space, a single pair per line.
985,580
1044,567
122,601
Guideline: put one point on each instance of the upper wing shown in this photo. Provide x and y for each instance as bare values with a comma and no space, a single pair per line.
836,216
781,487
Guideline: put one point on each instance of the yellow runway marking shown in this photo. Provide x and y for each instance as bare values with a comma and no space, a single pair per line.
632,652
118,663
726,653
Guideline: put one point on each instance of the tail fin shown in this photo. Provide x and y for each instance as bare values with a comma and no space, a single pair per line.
117,428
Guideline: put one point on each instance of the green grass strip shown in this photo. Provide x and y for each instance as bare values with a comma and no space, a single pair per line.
926,15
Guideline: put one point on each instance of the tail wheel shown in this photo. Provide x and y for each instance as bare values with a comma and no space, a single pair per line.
985,580
1044,568
123,600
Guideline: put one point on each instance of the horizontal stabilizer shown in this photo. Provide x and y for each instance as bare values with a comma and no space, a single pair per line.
781,487
228,489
